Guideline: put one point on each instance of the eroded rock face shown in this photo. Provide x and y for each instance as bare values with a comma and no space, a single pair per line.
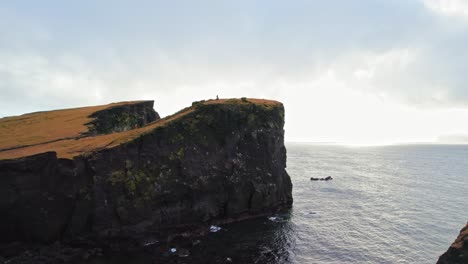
122,118
220,161
43,198
458,251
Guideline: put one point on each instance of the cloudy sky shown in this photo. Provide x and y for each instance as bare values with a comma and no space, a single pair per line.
349,71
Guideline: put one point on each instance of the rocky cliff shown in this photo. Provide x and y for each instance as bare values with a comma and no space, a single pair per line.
122,118
458,251
216,160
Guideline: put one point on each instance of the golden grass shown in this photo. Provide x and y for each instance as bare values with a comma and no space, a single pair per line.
53,128
40,127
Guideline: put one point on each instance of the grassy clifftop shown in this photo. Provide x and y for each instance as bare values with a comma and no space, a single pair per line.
41,127
67,131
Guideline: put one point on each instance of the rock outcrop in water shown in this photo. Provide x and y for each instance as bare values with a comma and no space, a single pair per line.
215,160
328,178
458,251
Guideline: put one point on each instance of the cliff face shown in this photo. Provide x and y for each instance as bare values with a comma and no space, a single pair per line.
122,118
458,251
216,160
43,198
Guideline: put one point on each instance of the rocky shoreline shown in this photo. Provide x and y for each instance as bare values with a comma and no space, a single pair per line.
165,246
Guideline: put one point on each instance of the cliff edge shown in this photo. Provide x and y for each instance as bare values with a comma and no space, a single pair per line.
215,160
458,251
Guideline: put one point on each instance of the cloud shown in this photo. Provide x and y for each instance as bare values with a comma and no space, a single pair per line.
35,82
457,8
417,76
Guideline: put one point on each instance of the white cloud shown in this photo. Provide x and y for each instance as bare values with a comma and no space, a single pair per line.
371,98
37,80
458,8
413,75
327,109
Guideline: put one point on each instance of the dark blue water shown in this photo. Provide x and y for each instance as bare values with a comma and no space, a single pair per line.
392,204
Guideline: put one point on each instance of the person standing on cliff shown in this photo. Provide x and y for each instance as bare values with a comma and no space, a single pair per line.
217,98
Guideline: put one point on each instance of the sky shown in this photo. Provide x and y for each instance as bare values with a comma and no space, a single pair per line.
359,72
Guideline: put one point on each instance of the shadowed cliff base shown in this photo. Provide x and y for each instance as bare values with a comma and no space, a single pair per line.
215,161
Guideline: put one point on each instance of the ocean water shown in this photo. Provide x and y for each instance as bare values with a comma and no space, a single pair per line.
391,204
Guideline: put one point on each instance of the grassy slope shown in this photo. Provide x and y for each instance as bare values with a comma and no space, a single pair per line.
53,125
41,127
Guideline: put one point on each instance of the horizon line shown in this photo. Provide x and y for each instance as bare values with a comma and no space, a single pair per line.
337,143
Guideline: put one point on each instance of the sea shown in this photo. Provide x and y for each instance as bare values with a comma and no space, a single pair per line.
385,204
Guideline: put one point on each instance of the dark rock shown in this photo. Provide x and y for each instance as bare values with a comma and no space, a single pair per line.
122,118
183,253
328,178
212,162
200,168
43,198
458,251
